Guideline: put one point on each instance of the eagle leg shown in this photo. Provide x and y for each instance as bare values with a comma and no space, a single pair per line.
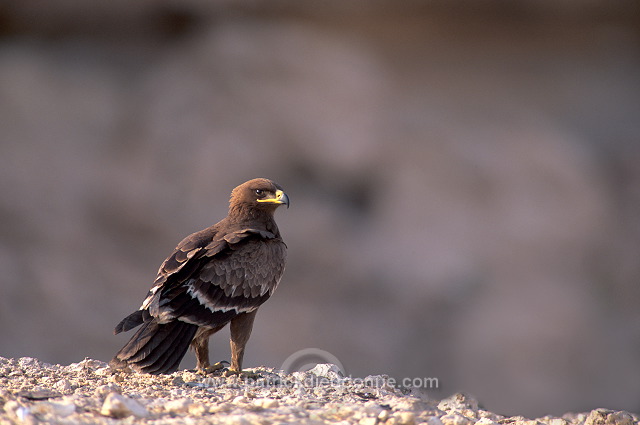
241,326
200,345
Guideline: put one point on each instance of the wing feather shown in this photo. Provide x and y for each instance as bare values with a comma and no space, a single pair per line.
211,277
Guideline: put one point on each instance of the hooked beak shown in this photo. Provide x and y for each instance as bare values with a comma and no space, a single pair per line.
280,198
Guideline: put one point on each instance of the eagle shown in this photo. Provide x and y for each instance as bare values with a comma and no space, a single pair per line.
216,276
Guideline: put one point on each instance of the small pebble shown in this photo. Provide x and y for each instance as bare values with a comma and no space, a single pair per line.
116,378
372,408
239,399
405,418
235,420
63,385
325,370
454,419
54,408
119,406
104,390
434,420
487,421
178,406
266,403
410,403
458,402
197,409
103,371
384,415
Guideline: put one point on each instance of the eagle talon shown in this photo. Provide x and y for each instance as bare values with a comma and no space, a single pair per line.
242,374
213,368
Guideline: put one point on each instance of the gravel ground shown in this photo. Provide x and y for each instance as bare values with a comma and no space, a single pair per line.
90,393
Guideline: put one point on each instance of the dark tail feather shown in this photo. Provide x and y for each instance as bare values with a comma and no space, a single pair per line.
156,348
167,361
133,320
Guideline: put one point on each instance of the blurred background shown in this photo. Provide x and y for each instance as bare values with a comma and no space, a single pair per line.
464,177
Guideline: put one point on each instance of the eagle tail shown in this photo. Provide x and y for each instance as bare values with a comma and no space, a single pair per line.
133,320
155,348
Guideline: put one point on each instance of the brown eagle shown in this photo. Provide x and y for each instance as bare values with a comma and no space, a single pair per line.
219,275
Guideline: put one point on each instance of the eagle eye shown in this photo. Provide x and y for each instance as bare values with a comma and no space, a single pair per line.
259,192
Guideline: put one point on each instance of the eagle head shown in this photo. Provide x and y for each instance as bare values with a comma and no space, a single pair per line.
258,194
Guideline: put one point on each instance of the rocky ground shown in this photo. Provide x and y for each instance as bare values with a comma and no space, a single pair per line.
89,392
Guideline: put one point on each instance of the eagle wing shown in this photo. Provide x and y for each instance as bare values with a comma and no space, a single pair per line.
212,277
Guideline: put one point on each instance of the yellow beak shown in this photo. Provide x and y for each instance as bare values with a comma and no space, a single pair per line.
280,198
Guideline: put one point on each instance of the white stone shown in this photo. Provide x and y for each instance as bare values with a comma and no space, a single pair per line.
487,421
197,409
87,364
16,411
103,371
458,402
61,409
266,403
105,390
63,386
178,406
454,419
434,420
372,408
239,399
384,415
119,406
235,420
405,418
28,362
409,403
326,370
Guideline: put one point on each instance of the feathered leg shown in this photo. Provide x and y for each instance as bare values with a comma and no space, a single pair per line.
200,345
241,327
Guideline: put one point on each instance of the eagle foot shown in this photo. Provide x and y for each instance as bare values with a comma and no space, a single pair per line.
213,368
242,374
